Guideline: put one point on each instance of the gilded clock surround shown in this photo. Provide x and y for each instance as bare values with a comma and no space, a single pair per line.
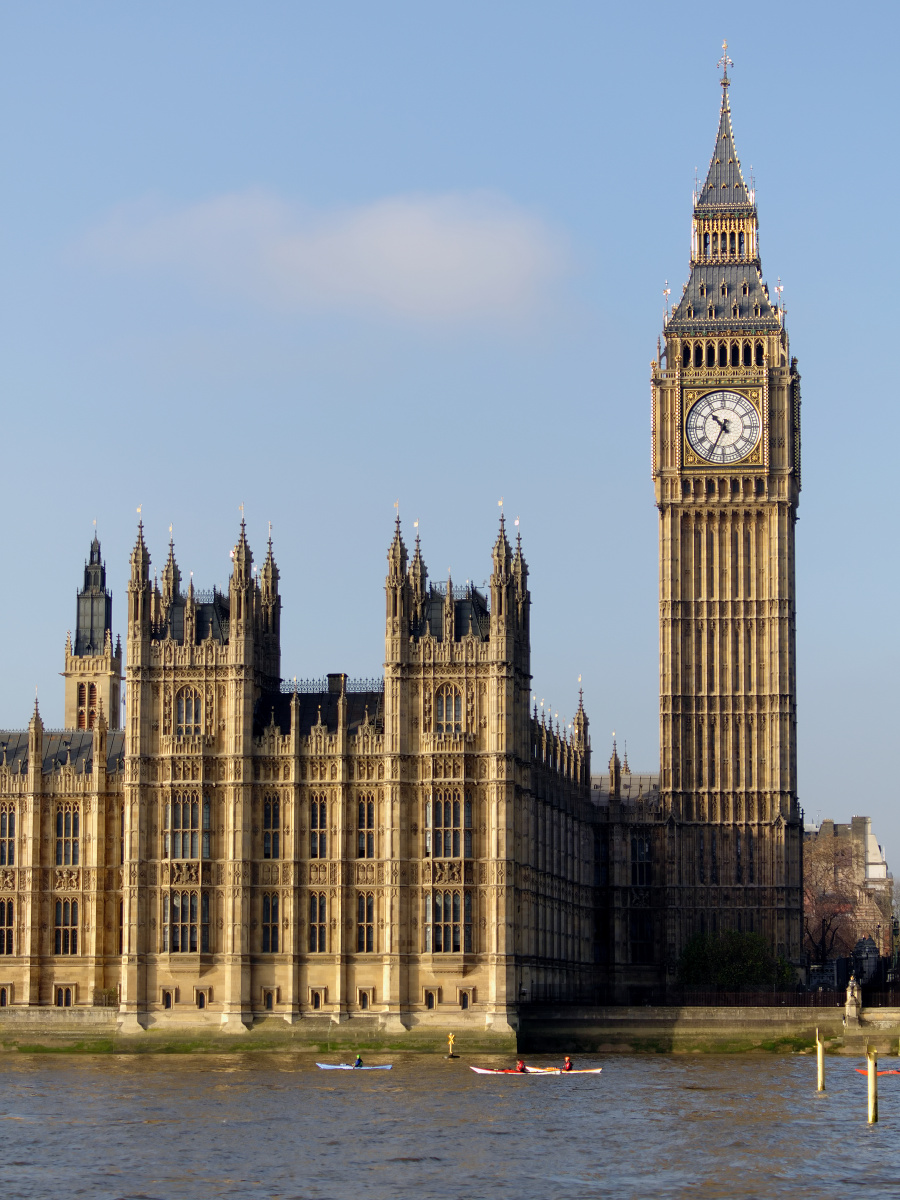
692,395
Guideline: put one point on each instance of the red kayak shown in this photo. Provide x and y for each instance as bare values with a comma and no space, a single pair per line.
497,1071
865,1071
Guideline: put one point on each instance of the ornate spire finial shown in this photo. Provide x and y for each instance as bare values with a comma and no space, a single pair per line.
725,62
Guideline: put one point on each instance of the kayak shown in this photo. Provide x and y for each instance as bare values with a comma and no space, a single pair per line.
533,1071
560,1071
350,1067
865,1071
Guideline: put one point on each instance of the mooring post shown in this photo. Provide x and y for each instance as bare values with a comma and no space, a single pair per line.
872,1057
820,1062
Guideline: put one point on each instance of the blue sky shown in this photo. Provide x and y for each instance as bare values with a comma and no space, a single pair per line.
316,258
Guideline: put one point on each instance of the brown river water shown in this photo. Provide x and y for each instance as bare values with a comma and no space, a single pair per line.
141,1128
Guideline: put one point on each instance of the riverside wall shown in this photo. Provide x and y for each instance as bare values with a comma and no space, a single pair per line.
587,1030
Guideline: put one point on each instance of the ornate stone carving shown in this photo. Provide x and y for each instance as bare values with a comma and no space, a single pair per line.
66,879
185,873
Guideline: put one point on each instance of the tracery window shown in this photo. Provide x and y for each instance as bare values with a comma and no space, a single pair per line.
7,836
67,841
317,922
186,827
641,865
448,710
185,922
6,926
365,828
64,997
188,712
270,923
448,825
365,923
318,827
272,827
65,927
448,922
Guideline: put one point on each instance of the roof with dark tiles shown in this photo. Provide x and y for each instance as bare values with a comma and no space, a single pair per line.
725,187
276,706
708,278
73,747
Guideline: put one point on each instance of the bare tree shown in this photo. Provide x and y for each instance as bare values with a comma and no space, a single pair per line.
831,879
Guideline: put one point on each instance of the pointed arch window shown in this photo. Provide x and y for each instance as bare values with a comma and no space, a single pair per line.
365,923
67,836
186,832
6,926
7,835
318,827
448,710
318,923
365,827
448,922
271,827
270,923
188,712
185,925
65,927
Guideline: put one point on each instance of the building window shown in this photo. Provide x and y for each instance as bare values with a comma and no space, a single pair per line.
272,827
167,999
6,926
65,927
448,710
316,998
641,866
121,834
750,869
67,837
121,926
365,923
463,1000
318,827
7,837
64,997
317,923
182,834
448,922
269,1001
701,859
4,997
448,825
363,999
270,923
365,828
641,931
429,999
188,711
186,922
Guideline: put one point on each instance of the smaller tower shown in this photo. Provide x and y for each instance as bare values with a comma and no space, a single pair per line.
93,670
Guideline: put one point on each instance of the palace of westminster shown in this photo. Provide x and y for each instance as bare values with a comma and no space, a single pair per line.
423,848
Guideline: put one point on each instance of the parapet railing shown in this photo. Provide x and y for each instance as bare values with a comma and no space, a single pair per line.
306,687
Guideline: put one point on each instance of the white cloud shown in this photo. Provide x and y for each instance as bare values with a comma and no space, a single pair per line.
449,258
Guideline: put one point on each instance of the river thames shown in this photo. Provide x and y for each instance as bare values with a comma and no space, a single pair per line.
147,1127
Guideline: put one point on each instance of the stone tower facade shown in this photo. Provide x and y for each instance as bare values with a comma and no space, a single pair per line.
93,670
726,470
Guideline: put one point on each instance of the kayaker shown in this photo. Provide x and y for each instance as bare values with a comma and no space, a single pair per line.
359,1061
567,1065
520,1067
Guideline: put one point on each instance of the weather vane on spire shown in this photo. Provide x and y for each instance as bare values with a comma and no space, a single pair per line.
725,62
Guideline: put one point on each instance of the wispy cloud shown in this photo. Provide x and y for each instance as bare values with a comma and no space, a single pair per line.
441,259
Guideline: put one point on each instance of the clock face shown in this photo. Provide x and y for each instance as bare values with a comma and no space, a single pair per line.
722,427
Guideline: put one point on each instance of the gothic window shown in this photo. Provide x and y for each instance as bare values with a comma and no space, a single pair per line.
4,997
185,922
271,827
738,864
747,359
183,836
735,354
698,351
92,705
759,354
710,350
270,923
715,243
757,311
318,827
741,245
724,288
686,356
317,923
723,355
448,922
702,289
6,926
745,287
7,836
188,711
641,936
734,310
82,706
121,834
701,858
365,828
448,710
733,243
64,997
641,865
448,825
365,923
67,836
65,927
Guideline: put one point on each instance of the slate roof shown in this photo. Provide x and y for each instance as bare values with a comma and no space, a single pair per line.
311,703
57,747
468,605
632,788
711,276
725,187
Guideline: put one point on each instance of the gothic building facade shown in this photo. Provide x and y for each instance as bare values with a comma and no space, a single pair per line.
715,841
410,849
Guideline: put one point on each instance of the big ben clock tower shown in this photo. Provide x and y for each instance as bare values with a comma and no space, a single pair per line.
726,469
